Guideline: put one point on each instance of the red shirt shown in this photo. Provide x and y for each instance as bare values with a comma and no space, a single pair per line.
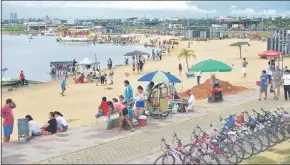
21,75
8,114
104,106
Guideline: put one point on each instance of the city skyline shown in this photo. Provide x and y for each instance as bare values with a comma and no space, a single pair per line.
153,9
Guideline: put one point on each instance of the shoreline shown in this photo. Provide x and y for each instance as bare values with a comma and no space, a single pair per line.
79,106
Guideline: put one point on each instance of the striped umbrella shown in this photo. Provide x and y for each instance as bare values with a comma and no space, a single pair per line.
160,77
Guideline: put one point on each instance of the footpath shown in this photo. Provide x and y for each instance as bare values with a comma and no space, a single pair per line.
88,145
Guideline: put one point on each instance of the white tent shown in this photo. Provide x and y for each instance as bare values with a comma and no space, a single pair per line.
85,61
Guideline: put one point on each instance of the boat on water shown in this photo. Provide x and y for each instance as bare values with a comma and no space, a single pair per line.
8,81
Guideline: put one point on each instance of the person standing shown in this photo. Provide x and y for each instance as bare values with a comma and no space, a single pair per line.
276,83
63,86
198,74
111,76
180,69
128,94
22,77
264,80
110,63
244,69
8,119
74,67
286,82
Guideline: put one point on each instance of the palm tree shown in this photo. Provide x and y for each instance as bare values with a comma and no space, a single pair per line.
186,54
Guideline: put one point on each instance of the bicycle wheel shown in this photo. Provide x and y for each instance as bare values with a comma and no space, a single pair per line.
272,136
210,158
194,160
247,146
286,132
192,148
165,159
228,155
256,142
265,140
280,134
239,150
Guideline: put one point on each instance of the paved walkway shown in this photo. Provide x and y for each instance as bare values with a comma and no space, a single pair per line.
92,146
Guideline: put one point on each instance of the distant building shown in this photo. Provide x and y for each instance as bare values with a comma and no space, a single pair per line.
204,32
70,21
15,16
46,20
11,16
56,21
279,41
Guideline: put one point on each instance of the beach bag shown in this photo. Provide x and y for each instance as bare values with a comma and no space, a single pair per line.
114,116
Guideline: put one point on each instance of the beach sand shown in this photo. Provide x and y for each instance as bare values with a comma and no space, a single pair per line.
79,106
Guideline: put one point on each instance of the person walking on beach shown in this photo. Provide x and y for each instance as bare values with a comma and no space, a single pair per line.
22,77
128,94
110,63
244,69
180,69
276,83
63,85
111,76
198,74
264,80
286,82
74,67
8,119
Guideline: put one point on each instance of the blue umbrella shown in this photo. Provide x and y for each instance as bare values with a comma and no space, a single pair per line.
160,77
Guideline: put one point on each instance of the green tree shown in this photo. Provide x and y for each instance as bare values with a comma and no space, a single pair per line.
186,54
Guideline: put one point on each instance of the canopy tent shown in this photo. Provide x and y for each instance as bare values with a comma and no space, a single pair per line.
85,61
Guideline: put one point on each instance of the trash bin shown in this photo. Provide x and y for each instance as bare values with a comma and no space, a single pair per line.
23,129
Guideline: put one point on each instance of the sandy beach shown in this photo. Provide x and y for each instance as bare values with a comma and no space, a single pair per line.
79,106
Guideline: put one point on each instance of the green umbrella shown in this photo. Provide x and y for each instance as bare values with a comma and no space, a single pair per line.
210,66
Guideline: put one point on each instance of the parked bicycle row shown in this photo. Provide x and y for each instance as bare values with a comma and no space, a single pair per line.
241,137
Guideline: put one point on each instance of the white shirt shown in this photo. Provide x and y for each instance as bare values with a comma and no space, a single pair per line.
33,127
198,73
286,79
269,71
61,120
191,100
140,97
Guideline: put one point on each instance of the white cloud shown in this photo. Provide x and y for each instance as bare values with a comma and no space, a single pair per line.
252,12
128,5
233,6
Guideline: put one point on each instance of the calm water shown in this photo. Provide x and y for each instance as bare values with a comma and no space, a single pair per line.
34,57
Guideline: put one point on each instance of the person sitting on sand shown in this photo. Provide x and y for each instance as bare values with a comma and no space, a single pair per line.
103,108
81,79
51,126
34,129
123,113
61,122
190,101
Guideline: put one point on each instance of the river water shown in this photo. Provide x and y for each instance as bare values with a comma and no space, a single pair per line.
34,56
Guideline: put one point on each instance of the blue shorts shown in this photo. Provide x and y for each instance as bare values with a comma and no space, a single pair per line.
7,129
139,104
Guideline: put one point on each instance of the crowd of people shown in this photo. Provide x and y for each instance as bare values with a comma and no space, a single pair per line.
56,122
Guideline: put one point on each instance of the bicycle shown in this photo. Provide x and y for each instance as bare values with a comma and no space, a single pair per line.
186,157
211,147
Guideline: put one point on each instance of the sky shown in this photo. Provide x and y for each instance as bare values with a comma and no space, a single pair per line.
151,9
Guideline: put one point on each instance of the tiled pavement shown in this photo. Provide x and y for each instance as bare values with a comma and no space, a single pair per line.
90,145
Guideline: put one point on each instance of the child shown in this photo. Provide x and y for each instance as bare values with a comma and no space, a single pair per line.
61,122
121,99
51,126
103,108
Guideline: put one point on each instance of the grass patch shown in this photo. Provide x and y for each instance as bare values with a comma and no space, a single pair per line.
271,149
13,28
260,160
283,152
286,161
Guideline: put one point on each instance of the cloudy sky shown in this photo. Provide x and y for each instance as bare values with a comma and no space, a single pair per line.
125,9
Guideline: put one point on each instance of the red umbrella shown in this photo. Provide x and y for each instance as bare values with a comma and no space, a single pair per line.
270,53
